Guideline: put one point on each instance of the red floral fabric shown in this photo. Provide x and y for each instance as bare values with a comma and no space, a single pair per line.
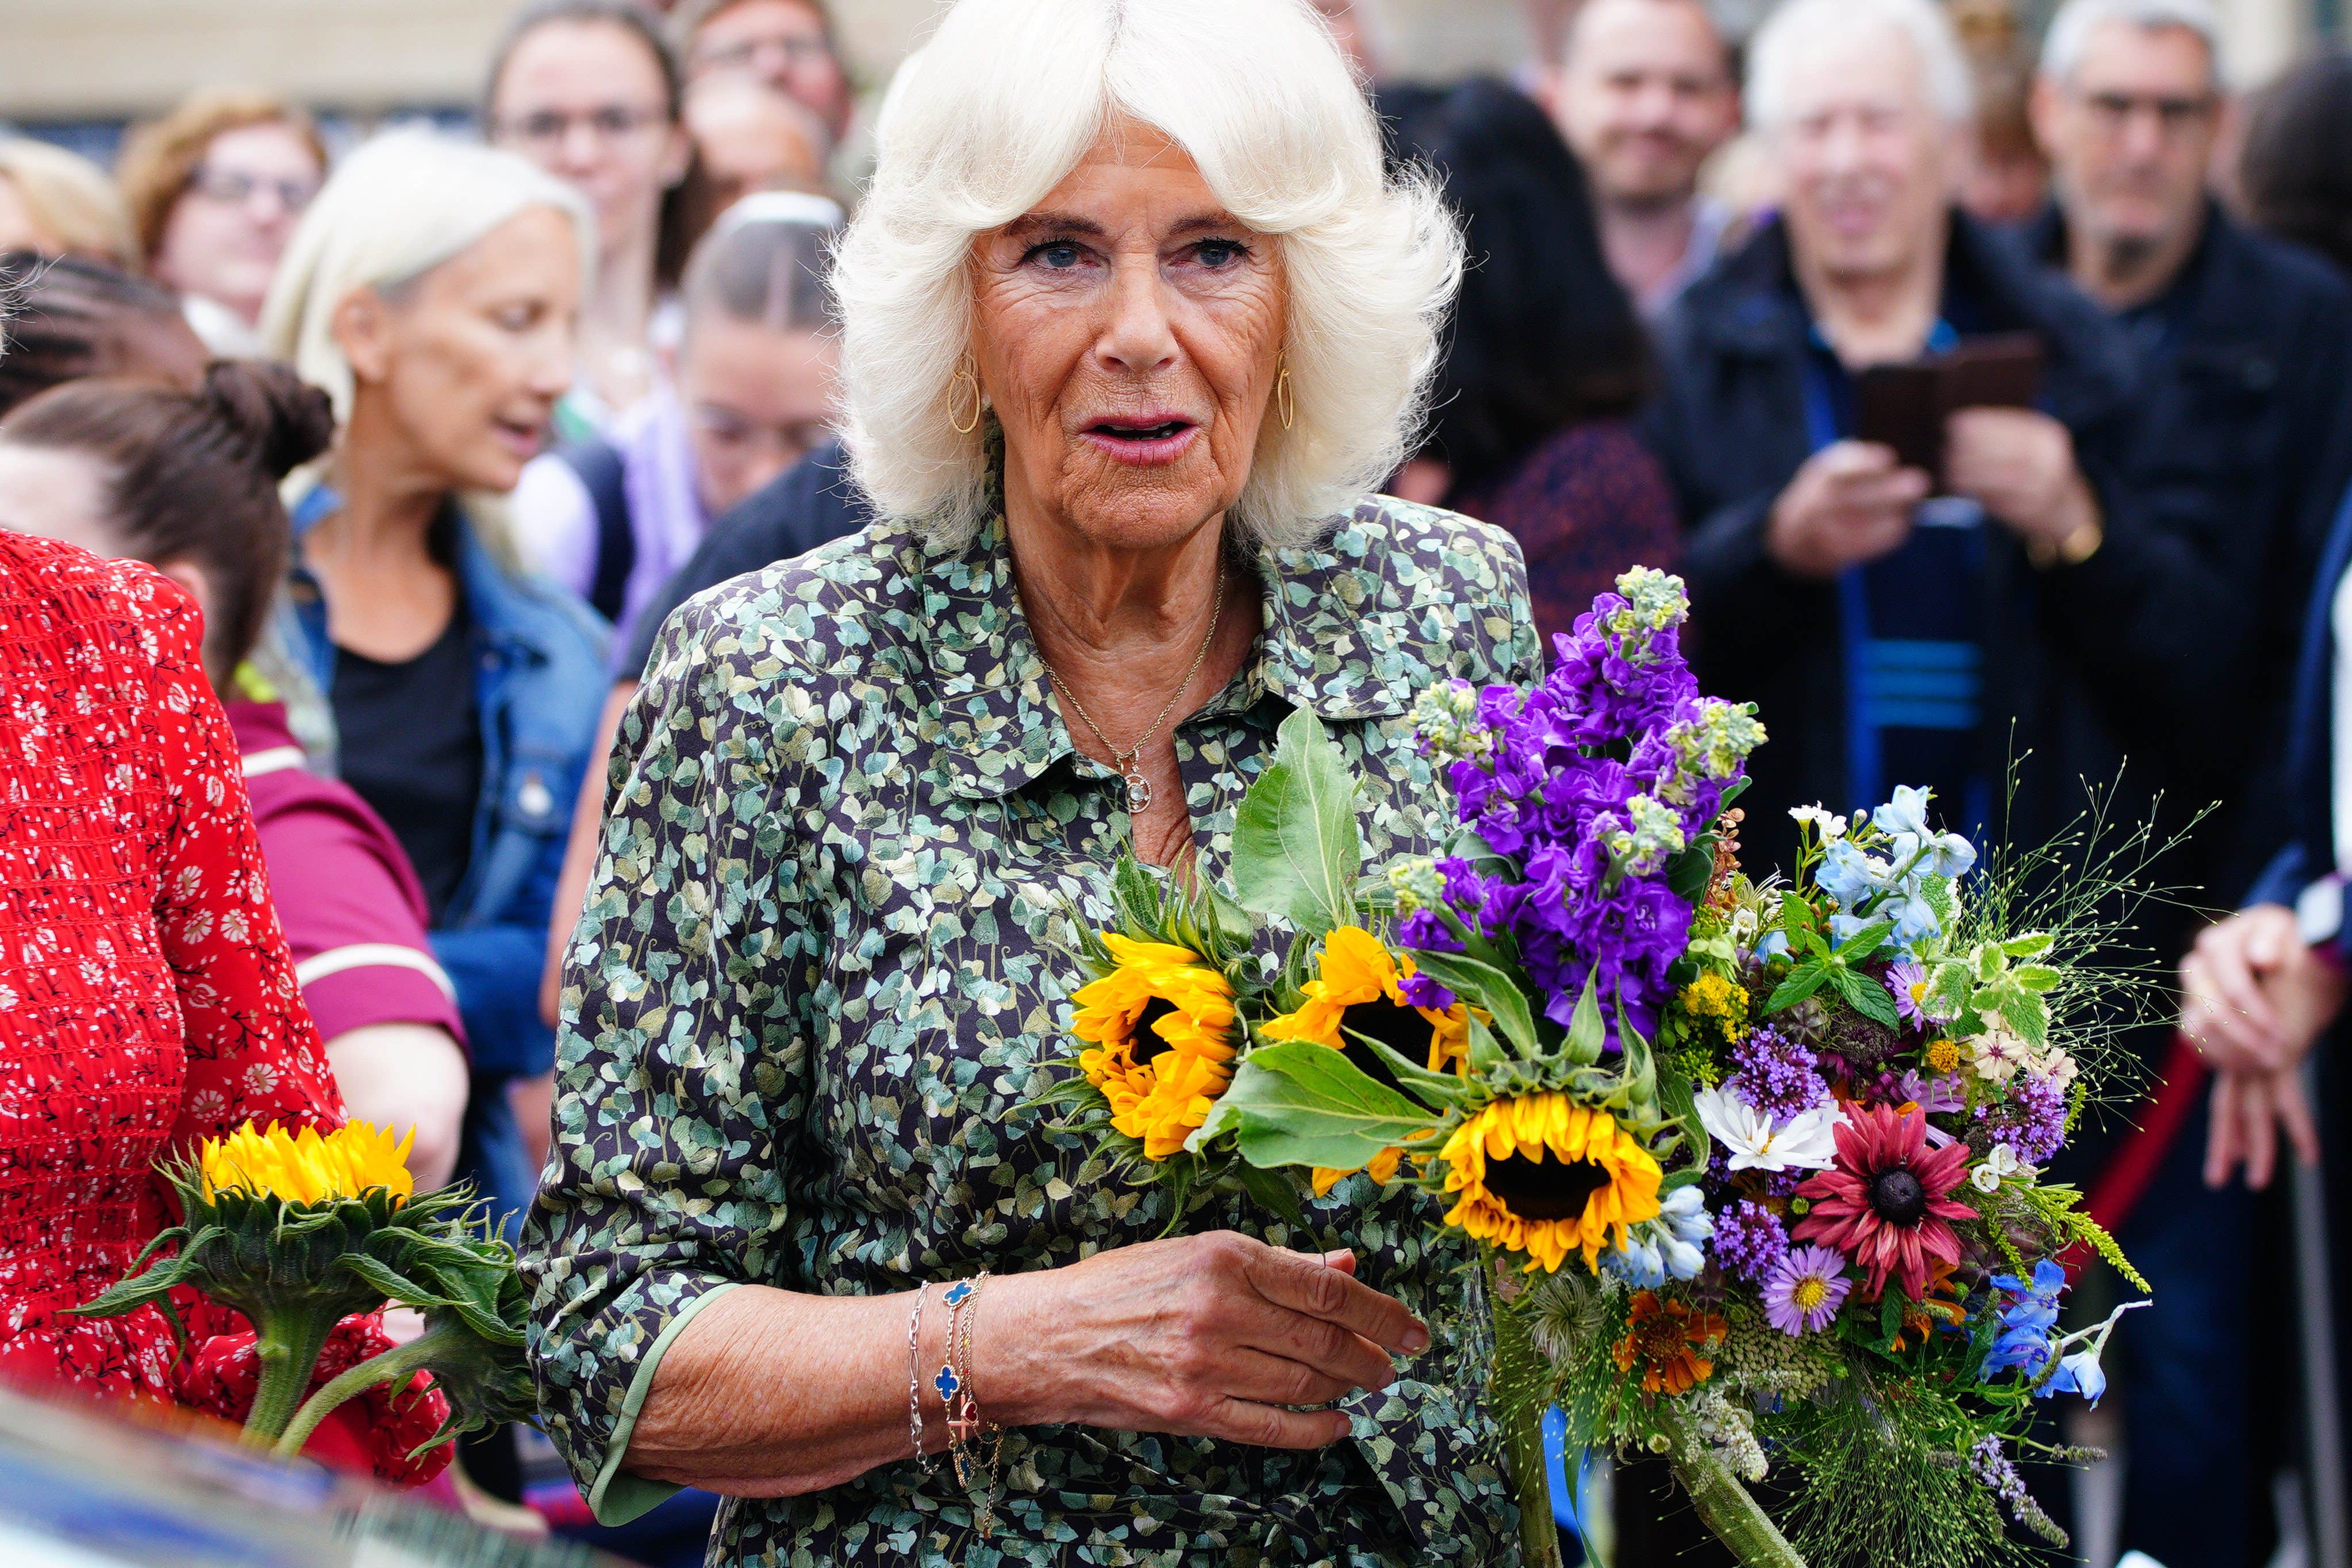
372,1434
146,997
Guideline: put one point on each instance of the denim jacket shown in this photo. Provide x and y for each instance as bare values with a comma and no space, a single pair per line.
540,659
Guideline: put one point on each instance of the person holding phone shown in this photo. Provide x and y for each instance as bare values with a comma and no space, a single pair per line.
1897,625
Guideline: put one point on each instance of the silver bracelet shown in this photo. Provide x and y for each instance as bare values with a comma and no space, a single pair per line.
915,1384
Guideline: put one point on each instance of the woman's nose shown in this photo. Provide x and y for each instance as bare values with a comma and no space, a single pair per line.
1139,336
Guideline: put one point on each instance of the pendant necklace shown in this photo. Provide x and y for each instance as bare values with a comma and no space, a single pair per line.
1129,761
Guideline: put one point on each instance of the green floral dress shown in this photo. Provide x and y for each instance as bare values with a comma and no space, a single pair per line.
821,971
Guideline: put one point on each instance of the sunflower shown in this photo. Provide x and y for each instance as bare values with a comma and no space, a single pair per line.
1597,1176
305,1168
1666,1337
1161,1023
1357,994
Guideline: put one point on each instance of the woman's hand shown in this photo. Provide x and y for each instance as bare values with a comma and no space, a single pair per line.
2249,1109
1206,1336
2253,996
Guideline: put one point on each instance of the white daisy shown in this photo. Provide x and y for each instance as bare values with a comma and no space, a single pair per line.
1753,1142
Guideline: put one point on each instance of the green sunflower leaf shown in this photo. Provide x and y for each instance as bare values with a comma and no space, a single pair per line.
1296,848
1440,1088
1272,1190
1298,1103
1484,985
1587,1034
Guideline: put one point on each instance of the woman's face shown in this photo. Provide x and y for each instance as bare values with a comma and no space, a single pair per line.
585,101
781,42
758,400
464,366
1126,332
223,236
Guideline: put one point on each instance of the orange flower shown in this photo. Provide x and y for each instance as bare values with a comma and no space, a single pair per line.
1666,1337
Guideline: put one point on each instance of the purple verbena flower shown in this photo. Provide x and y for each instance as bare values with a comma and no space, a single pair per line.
2033,1120
1775,1076
1750,1240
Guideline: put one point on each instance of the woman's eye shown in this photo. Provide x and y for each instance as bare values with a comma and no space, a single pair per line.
1221,252
1060,255
519,318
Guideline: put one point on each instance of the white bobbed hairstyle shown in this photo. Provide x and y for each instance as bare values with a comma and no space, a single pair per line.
996,110
397,208
1800,26
2070,31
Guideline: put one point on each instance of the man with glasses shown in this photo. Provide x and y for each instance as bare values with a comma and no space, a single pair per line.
2245,347
787,44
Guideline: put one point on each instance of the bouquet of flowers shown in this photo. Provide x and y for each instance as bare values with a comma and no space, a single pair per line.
300,1232
1754,1166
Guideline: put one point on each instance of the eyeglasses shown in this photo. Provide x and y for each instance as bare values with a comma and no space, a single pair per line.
234,188
2174,116
549,129
797,51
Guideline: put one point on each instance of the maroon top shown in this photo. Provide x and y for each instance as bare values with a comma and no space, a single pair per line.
352,909
1585,505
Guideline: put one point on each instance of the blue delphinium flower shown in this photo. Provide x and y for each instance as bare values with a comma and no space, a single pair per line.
1667,1247
2024,1340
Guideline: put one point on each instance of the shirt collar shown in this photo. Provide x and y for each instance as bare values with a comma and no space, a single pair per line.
1334,625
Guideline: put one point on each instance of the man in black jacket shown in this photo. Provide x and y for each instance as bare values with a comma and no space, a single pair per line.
2027,615
2244,345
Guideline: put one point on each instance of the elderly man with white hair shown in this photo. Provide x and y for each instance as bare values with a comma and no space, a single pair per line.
1134,320
1898,625
2245,400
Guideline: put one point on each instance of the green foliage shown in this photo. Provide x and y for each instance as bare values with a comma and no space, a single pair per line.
1296,847
1294,1102
1880,1483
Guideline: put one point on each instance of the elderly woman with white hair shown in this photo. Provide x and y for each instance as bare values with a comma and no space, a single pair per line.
432,289
1132,321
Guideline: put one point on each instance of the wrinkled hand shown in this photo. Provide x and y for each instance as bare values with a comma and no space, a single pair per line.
2249,1110
2019,465
1851,502
1200,1335
2253,996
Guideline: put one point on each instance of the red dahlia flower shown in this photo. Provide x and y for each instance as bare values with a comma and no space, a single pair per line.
1883,1204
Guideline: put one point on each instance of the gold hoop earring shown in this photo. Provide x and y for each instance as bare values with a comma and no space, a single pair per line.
965,374
1282,398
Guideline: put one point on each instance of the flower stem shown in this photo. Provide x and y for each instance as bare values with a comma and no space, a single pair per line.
1517,1395
394,1366
288,1345
1724,1505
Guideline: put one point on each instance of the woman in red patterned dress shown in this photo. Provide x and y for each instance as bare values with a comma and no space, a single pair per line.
146,996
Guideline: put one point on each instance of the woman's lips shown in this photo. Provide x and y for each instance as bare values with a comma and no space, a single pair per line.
1143,444
523,440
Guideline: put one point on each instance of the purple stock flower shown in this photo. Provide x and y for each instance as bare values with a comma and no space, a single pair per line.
1775,1076
1588,784
1420,991
1750,1240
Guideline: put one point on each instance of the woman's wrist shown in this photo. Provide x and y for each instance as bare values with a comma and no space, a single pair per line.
1024,1360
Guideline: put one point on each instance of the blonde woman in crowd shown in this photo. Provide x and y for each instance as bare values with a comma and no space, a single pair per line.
433,290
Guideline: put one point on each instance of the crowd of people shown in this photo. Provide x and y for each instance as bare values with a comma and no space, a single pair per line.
1995,402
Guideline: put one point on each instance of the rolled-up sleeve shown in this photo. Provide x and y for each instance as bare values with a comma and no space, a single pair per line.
681,1064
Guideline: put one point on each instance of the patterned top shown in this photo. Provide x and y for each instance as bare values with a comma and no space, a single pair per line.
146,997
820,975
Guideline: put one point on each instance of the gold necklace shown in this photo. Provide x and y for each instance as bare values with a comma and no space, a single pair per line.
1129,762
